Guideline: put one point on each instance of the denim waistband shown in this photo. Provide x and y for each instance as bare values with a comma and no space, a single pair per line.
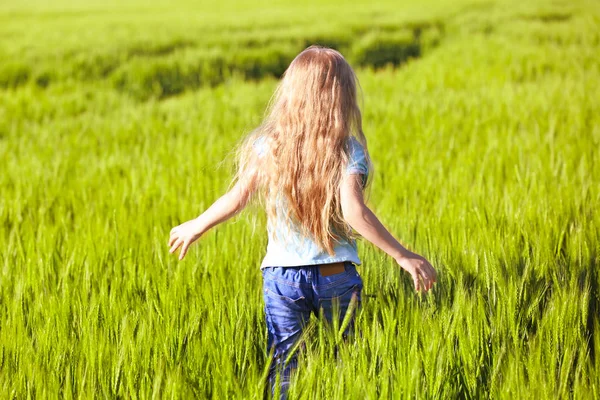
308,275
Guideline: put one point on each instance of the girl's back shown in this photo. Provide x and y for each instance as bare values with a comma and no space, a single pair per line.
288,244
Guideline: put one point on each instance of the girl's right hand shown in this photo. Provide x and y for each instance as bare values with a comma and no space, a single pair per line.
423,274
184,235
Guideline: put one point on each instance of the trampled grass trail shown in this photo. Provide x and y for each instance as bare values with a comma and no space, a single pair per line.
116,122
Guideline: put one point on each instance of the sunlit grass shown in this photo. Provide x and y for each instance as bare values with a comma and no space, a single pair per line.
486,161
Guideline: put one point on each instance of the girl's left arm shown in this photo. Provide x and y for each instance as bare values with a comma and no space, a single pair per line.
221,210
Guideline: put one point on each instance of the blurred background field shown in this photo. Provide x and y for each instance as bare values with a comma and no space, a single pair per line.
116,123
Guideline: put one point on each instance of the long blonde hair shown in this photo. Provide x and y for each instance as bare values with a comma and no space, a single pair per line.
310,118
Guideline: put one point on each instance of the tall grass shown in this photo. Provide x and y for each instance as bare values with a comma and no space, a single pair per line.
485,144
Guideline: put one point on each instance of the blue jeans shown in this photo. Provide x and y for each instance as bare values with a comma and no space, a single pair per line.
291,294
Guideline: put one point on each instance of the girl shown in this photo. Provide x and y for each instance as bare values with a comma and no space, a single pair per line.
309,163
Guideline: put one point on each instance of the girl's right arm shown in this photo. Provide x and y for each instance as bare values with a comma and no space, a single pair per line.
220,211
366,223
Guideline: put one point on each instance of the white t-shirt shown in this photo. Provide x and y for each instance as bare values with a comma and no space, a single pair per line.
288,247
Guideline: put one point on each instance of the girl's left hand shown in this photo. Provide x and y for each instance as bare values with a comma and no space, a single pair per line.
184,235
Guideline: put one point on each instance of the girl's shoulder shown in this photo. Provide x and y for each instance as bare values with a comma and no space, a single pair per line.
354,146
358,162
261,145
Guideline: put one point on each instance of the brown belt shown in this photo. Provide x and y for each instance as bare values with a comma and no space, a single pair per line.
331,269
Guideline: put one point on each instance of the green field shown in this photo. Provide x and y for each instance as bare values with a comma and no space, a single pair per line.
116,124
